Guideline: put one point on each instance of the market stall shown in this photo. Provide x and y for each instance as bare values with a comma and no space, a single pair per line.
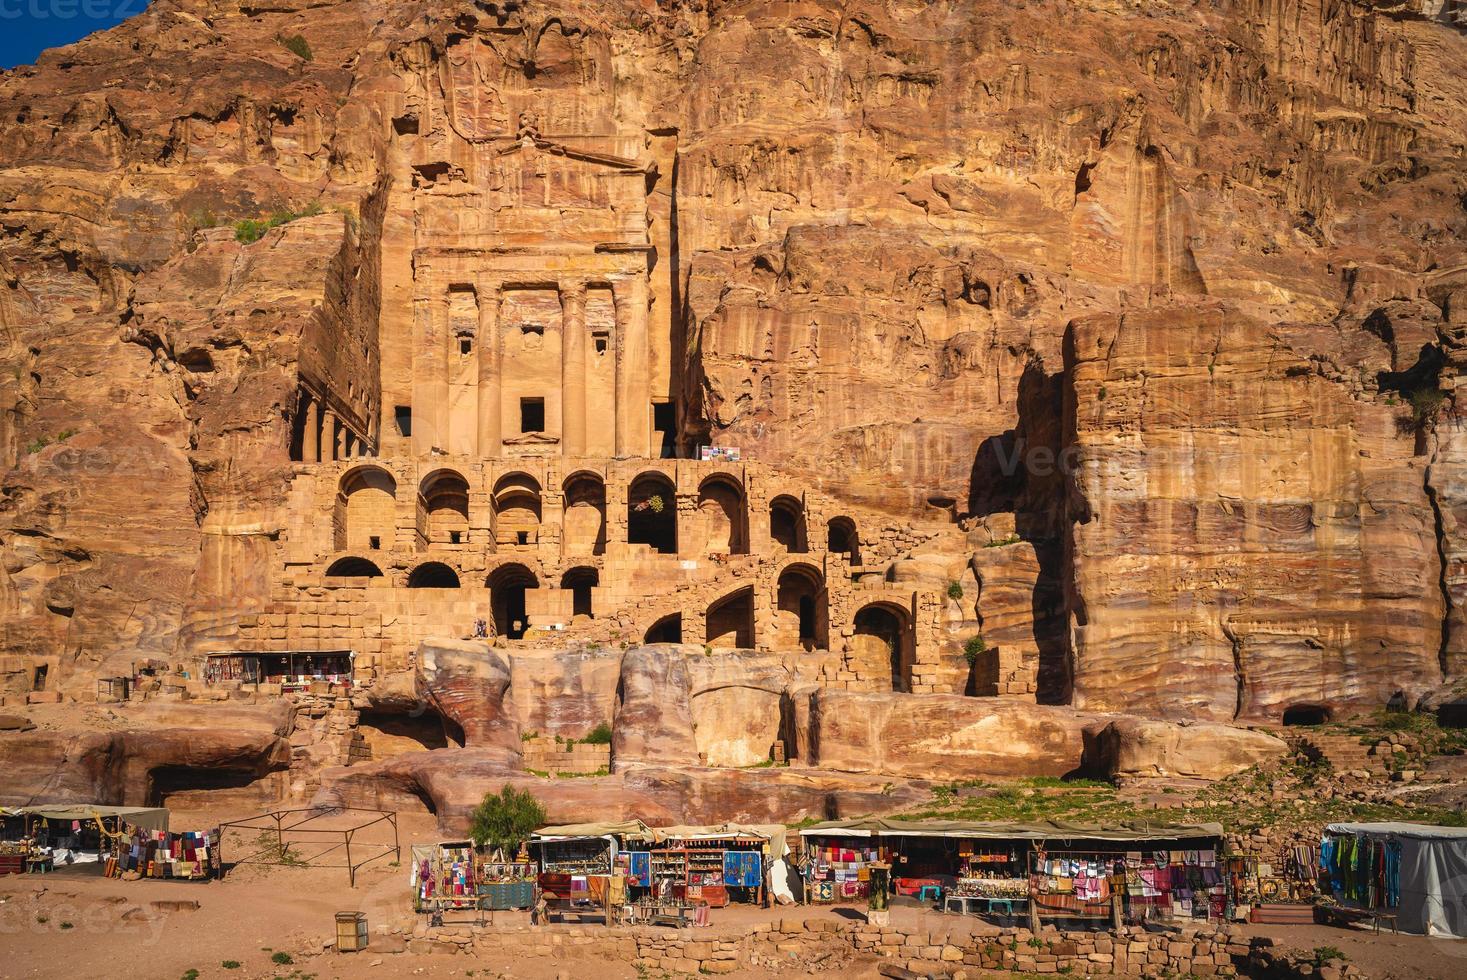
292,670
1414,875
713,864
1279,892
44,837
582,868
457,875
143,852
1048,870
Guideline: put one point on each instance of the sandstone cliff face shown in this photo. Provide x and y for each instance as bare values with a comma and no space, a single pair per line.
1210,257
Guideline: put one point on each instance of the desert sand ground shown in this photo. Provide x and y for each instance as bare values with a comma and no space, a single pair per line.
75,923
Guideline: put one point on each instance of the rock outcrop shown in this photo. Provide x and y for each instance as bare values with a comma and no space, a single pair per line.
1153,324
944,736
1132,747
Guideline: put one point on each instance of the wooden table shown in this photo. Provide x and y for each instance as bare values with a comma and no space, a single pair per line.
662,914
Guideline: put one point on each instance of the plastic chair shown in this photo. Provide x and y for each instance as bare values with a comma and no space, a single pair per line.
930,893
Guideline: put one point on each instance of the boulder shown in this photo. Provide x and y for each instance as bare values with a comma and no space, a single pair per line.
1140,747
466,682
944,736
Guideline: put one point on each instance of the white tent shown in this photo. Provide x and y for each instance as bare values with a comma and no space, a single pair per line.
1433,874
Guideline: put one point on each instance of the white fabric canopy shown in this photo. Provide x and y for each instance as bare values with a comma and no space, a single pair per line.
1433,874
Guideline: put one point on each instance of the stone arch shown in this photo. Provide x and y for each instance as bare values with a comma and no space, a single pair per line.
517,511
579,581
507,587
432,575
892,625
652,512
353,567
803,603
668,629
729,621
583,529
365,515
787,524
842,538
443,508
723,508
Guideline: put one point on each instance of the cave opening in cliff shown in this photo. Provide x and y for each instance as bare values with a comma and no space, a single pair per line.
730,620
841,538
652,513
204,784
668,629
580,581
892,626
787,524
583,525
432,575
517,511
1306,715
507,587
388,735
443,503
722,503
801,592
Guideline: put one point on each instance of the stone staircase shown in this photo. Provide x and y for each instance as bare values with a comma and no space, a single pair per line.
1345,753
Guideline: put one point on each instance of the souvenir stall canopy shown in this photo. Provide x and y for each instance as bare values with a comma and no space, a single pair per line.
579,862
1054,869
146,817
47,836
292,670
457,875
1416,870
1131,872
709,863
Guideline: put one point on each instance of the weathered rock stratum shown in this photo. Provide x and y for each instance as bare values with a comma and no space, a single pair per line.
1129,335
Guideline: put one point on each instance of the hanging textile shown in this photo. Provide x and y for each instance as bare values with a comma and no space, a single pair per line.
742,869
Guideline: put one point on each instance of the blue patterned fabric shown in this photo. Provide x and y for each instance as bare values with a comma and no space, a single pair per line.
741,869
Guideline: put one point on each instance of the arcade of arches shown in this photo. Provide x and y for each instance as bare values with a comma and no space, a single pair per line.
540,553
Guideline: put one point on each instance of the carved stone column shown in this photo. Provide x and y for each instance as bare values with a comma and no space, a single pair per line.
632,402
311,433
328,435
430,373
573,369
489,382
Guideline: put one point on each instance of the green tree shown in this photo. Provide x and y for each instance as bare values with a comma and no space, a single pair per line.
506,819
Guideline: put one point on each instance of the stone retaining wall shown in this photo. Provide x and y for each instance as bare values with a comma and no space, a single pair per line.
962,947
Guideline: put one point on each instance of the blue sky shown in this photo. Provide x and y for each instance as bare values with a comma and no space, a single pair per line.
28,27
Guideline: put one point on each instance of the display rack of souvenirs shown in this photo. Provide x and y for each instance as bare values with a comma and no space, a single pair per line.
505,885
989,873
1361,872
980,887
446,880
187,855
1173,884
576,857
840,874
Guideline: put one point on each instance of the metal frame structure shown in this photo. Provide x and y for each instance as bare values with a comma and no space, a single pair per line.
288,822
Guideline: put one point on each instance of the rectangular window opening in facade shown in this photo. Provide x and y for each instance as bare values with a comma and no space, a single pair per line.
601,339
374,543
465,346
532,415
664,422
403,416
